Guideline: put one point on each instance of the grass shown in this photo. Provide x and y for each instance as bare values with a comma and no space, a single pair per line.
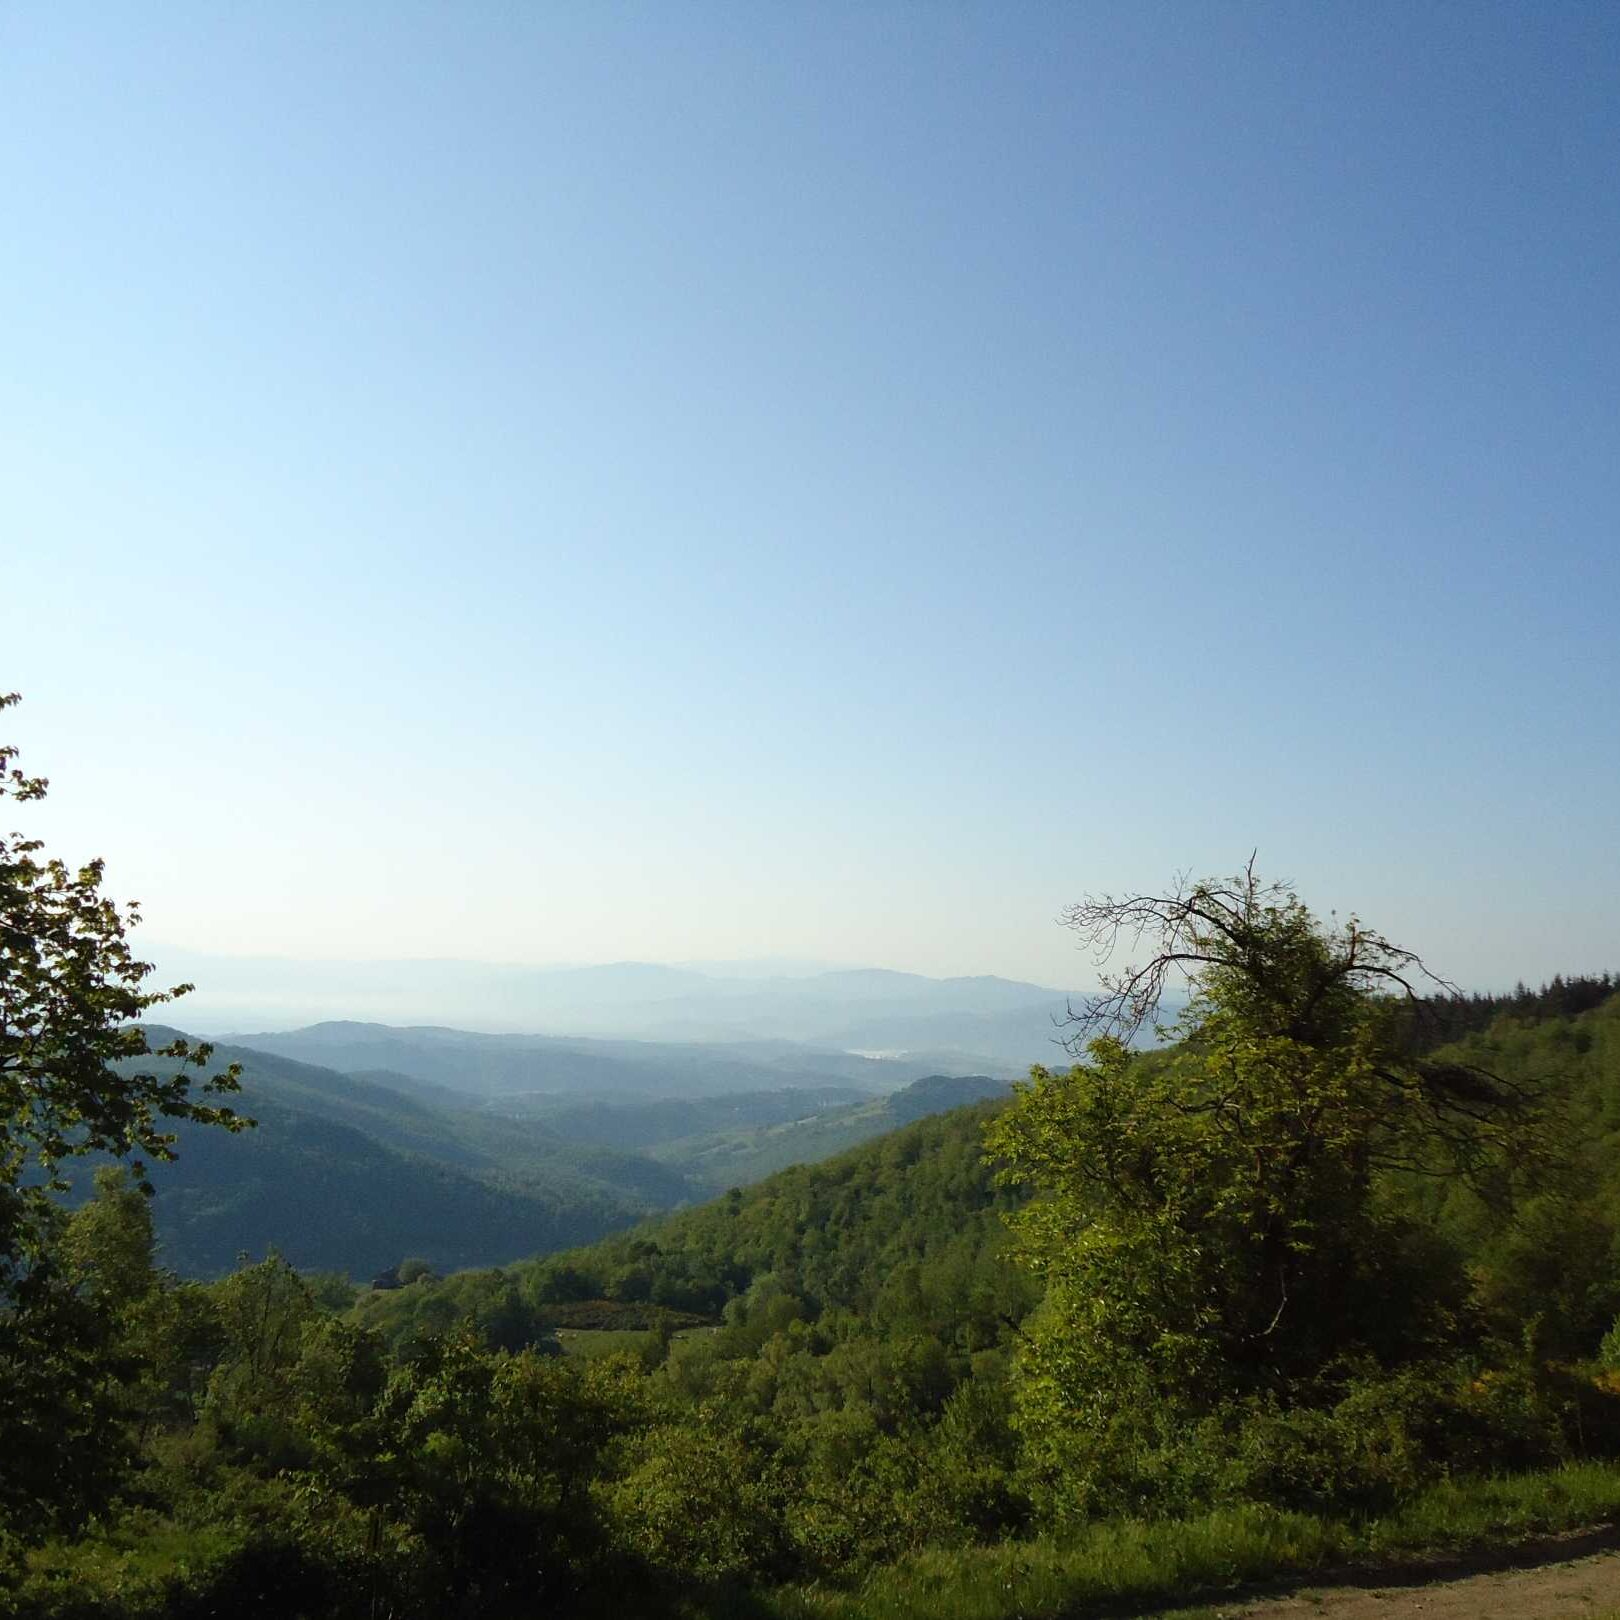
1134,1566
1467,1513
589,1343
689,1339
1176,1569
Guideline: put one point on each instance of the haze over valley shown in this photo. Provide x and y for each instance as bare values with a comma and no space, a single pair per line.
854,1010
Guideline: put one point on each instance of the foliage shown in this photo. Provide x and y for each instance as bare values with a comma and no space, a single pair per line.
71,997
697,1501
487,1304
71,992
1216,1229
61,1408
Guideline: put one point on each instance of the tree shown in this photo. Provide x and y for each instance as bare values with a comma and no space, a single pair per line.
490,1459
108,1244
72,1083
72,993
1212,1221
1259,964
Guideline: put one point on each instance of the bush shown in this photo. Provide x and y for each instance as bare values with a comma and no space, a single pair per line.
698,1506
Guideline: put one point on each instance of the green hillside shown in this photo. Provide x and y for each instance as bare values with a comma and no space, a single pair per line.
913,1214
734,1158
331,1197
355,1172
347,1174
917,1210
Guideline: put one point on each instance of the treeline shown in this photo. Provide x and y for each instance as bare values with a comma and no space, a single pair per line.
1437,1020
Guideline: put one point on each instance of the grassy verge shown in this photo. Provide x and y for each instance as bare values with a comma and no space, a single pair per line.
1129,1566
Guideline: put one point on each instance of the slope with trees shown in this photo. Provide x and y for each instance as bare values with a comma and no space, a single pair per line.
348,1174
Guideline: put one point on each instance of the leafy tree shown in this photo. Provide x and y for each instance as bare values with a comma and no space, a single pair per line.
62,1408
697,1502
108,1243
263,1311
1212,1224
158,1335
71,994
490,1459
332,1290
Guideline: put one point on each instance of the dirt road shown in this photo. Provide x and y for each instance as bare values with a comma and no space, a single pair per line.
1562,1578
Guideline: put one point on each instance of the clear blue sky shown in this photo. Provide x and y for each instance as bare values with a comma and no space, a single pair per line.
582,482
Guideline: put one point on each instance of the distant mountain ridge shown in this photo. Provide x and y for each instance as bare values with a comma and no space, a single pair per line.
975,1021
472,1062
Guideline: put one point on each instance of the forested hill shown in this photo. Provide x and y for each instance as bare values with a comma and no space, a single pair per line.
355,1173
345,1174
1439,1019
806,1135
908,1226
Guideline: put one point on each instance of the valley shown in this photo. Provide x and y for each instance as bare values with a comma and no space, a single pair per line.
375,1143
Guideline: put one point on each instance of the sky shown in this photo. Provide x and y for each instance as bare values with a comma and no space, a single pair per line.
677,481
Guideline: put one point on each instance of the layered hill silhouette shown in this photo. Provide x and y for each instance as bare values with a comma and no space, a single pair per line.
964,1025
354,1171
349,1174
476,1064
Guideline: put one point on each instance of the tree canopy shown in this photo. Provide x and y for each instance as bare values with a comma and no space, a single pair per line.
1214,1221
72,992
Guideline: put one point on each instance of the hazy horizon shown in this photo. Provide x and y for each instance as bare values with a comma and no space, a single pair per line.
238,996
765,967
696,483
848,1008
